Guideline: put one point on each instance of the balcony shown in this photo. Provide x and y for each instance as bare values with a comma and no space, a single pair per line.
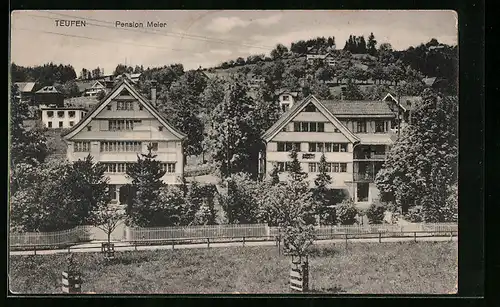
364,177
369,156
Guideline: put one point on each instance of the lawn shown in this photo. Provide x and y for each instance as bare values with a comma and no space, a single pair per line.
423,267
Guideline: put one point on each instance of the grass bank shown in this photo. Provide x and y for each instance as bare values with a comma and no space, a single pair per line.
404,267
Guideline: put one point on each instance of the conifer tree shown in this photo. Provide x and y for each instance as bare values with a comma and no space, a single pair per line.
146,176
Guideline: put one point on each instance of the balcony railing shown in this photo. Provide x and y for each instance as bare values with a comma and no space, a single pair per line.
365,177
370,156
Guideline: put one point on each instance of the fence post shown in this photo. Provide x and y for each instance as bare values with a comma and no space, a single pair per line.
208,242
415,236
379,237
35,249
346,241
69,247
243,241
173,244
451,236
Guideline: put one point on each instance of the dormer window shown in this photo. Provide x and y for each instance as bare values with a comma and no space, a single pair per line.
160,128
286,98
108,107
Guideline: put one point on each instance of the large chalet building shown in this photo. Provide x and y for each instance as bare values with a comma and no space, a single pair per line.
121,126
353,135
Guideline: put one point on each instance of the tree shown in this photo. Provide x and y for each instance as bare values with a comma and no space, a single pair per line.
372,45
274,176
376,213
240,61
361,45
107,218
422,163
146,179
267,110
240,203
346,212
294,168
278,52
353,92
385,53
26,145
212,95
87,187
233,139
182,109
321,193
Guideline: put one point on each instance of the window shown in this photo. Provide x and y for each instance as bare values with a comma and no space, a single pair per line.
125,105
308,127
343,167
49,124
121,146
108,107
60,114
361,126
140,107
168,167
312,147
310,108
89,128
281,166
71,124
313,166
380,126
154,146
336,130
81,147
60,124
160,128
50,113
71,114
287,146
112,167
327,147
286,98
121,124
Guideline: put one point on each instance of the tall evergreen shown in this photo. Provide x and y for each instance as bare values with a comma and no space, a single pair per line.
146,176
294,168
372,45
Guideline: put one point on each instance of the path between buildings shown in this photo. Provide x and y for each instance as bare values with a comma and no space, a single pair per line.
94,247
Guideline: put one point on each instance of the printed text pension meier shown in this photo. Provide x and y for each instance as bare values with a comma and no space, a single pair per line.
131,24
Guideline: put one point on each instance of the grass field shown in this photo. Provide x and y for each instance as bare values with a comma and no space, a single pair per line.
424,267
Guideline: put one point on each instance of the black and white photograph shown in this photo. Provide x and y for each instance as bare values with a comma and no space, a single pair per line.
233,152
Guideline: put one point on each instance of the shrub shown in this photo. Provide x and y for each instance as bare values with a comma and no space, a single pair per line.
376,213
414,215
346,213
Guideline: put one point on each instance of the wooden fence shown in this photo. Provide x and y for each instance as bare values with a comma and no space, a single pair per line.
197,232
52,239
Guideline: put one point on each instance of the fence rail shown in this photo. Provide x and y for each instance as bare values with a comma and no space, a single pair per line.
195,232
57,238
238,231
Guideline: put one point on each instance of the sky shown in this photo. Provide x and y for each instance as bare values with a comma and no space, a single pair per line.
206,38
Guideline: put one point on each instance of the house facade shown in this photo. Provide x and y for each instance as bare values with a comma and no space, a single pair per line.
353,135
95,89
58,118
120,127
286,99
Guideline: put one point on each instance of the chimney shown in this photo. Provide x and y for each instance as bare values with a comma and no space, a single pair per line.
153,92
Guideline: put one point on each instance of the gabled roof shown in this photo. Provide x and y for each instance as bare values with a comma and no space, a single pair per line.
124,83
48,90
25,86
296,109
84,85
357,107
96,83
429,81
405,102
285,91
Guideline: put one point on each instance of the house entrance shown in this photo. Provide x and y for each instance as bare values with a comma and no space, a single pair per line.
362,192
